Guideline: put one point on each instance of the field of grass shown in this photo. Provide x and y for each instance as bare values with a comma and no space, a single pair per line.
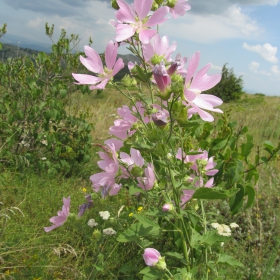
74,251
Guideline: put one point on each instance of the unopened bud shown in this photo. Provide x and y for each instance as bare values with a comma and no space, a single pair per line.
114,4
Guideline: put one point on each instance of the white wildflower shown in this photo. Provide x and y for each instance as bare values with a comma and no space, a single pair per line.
224,230
215,225
43,158
109,231
92,223
44,142
104,215
234,225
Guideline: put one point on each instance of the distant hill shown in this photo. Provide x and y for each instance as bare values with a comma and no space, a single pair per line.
9,50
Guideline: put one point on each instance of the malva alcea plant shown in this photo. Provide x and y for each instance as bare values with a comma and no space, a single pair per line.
166,152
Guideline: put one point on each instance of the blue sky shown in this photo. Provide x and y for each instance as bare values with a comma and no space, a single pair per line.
243,33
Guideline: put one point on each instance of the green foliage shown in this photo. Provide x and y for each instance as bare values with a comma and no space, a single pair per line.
35,128
3,30
230,88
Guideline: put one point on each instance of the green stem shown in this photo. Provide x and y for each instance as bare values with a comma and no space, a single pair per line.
205,231
181,221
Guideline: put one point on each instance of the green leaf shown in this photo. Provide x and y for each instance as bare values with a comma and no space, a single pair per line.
268,144
219,144
235,171
246,149
175,255
152,273
137,231
141,75
214,193
229,260
210,238
250,192
236,201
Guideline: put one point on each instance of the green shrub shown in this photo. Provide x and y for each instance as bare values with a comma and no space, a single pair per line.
35,128
230,86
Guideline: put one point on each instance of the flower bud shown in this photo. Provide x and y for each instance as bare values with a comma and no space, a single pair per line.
114,4
167,207
160,118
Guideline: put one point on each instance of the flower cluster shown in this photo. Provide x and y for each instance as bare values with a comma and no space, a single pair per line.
202,167
223,229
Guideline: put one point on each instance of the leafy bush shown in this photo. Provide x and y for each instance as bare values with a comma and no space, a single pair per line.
34,126
230,86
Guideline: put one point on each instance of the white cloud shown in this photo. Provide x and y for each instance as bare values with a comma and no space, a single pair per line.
233,23
266,51
35,23
216,67
275,70
254,66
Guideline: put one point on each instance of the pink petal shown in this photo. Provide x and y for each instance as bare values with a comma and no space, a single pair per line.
193,63
189,94
125,13
85,79
124,31
204,115
93,61
111,54
158,17
136,157
209,183
116,142
146,35
142,8
102,85
118,66
207,101
115,189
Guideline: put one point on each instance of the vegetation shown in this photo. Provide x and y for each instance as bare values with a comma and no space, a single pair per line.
46,130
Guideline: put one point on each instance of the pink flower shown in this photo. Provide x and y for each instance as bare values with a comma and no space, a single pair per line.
86,205
94,64
151,256
160,118
180,8
161,77
194,85
135,158
159,47
61,217
122,127
107,180
134,20
167,207
185,197
146,183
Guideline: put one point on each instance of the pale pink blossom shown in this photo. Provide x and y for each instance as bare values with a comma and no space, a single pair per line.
134,19
159,47
161,77
146,183
185,197
180,8
195,84
106,181
151,256
94,64
61,217
167,207
122,128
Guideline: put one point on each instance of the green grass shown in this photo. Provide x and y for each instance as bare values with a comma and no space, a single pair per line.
72,252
